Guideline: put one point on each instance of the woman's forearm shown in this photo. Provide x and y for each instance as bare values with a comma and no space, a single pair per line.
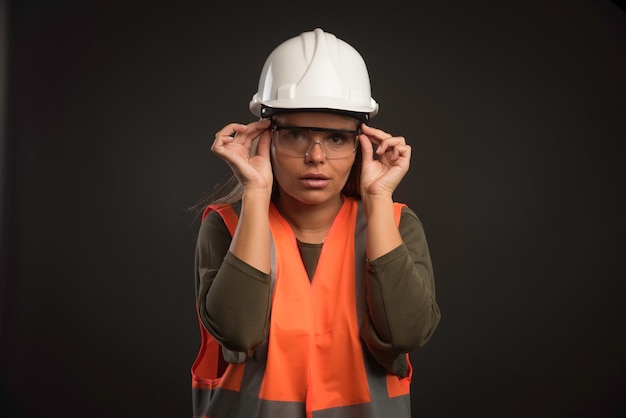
382,230
251,241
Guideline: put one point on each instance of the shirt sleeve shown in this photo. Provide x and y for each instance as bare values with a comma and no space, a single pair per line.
403,312
232,297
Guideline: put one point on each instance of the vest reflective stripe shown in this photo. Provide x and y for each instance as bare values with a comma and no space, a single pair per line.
246,407
319,347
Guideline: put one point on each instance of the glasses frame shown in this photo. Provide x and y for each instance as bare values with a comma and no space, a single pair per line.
276,128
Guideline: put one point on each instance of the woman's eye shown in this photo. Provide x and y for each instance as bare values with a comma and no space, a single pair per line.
337,139
295,133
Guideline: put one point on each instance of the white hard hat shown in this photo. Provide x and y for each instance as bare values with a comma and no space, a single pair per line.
315,71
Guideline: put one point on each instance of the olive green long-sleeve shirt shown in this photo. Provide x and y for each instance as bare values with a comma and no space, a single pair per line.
234,300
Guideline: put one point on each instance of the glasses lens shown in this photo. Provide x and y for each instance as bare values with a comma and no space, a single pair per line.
297,141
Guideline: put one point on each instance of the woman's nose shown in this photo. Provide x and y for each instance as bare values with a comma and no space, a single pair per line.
315,153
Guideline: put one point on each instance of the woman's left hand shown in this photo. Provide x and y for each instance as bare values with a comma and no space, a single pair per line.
380,176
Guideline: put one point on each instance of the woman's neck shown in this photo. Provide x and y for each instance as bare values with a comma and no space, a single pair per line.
310,223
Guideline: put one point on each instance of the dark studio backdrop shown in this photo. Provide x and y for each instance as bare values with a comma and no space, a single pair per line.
515,111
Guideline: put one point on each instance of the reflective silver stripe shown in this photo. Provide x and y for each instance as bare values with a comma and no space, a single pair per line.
360,237
231,404
391,407
200,399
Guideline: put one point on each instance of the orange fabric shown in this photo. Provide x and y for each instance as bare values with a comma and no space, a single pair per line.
232,377
397,386
397,211
227,213
314,325
205,369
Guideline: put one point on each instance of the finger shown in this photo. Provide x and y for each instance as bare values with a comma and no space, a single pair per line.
230,130
403,151
255,128
374,133
367,152
381,139
263,147
390,144
235,129
252,132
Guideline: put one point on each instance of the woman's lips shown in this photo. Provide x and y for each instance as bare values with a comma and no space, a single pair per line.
314,181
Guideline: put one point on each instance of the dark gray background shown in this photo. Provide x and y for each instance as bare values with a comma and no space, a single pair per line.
515,111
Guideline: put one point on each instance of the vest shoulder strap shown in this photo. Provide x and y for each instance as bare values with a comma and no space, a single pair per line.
229,213
397,211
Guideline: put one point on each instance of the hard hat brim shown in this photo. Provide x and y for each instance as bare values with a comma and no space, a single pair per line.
267,112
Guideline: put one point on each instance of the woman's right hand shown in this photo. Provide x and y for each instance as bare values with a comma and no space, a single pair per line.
234,143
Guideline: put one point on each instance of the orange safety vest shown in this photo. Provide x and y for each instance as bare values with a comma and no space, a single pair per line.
313,363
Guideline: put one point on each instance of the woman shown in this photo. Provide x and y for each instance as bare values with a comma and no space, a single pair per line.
312,284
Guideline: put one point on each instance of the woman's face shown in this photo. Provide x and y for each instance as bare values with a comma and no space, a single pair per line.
311,178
